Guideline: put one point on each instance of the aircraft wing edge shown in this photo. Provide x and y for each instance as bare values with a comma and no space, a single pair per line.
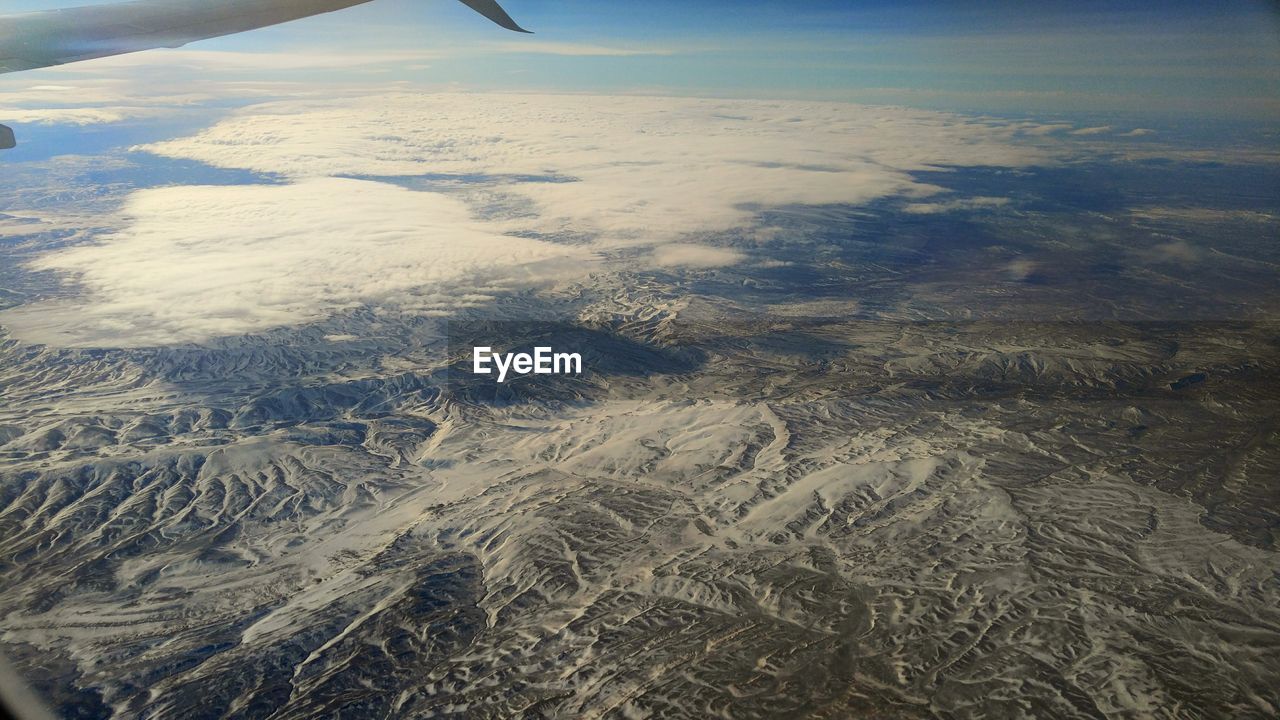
492,10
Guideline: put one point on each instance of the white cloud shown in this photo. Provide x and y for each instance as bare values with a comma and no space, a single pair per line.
973,203
1043,129
239,60
1177,251
104,100
687,255
78,116
1202,215
1099,130
192,263
1021,269
538,47
648,170
187,263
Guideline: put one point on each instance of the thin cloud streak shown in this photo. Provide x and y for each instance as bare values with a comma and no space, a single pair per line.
575,49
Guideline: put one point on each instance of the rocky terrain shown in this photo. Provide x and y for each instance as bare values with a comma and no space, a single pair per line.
920,437
777,517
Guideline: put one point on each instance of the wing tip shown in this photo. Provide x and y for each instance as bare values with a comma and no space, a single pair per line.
492,10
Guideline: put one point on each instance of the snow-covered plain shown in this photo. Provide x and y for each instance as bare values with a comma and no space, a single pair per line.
901,531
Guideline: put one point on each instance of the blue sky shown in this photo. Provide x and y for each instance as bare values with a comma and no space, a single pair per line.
1217,59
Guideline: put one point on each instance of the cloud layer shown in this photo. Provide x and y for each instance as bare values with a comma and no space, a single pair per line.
188,263
647,169
198,262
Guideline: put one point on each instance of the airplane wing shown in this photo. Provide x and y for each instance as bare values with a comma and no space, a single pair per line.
492,10
55,37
